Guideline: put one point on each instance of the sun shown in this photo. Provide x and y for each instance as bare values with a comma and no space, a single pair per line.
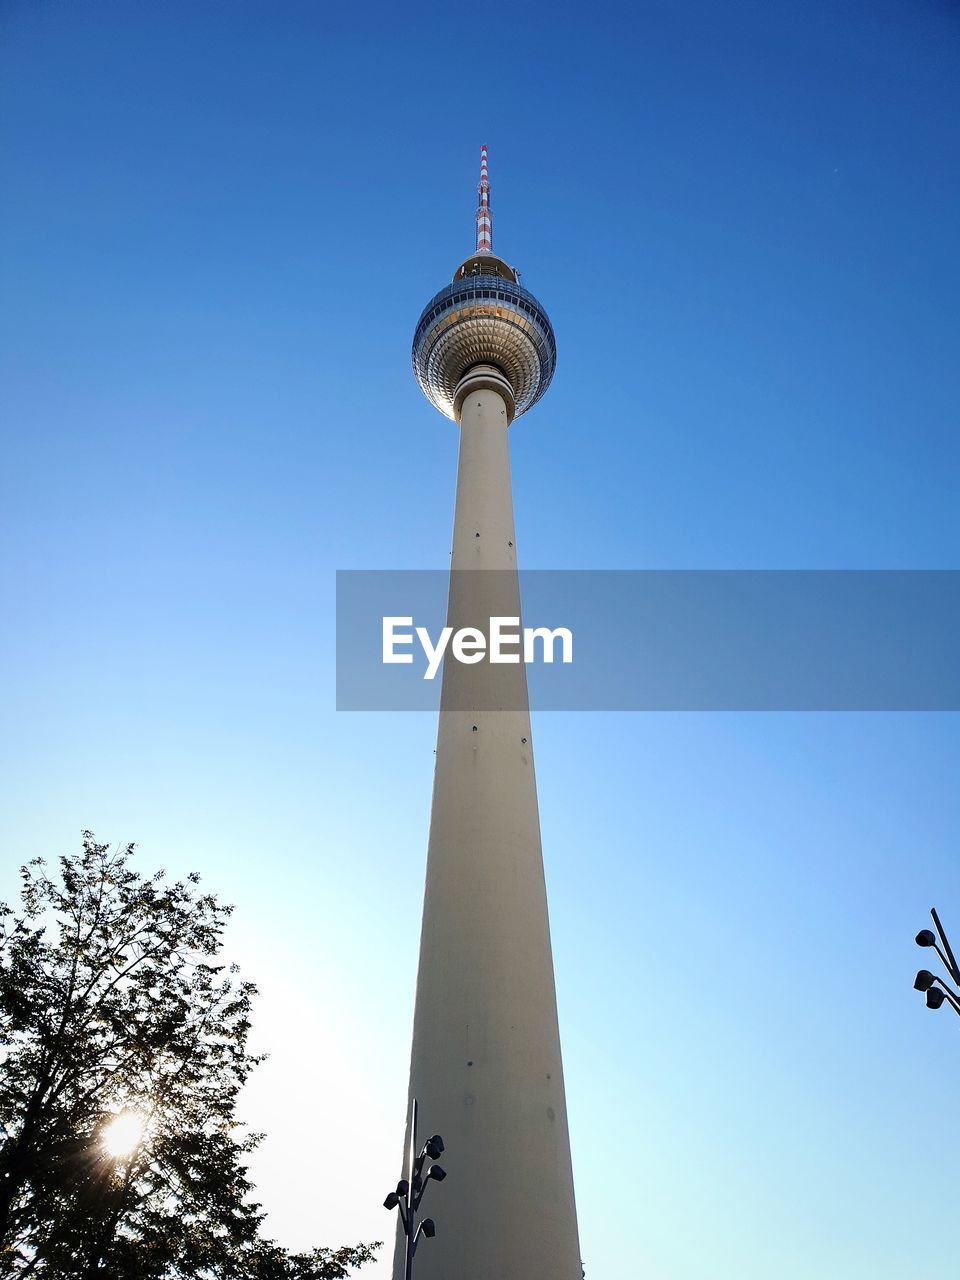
123,1133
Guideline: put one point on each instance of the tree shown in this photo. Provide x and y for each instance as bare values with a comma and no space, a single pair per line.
123,1048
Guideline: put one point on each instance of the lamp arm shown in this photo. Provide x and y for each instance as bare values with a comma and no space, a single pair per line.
951,997
949,959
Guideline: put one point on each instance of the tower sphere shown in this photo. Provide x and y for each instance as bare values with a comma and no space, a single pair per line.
484,318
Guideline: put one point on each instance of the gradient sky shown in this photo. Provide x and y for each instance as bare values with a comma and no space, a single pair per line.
219,225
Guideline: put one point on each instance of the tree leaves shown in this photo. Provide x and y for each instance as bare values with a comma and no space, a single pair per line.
113,1001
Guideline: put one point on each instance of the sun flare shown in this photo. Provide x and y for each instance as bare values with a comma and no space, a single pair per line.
123,1133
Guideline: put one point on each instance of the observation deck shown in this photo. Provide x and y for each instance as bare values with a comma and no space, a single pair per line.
485,317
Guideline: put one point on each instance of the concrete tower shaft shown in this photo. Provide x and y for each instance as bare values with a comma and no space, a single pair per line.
486,1065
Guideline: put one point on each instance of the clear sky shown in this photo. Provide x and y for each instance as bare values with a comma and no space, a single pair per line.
219,224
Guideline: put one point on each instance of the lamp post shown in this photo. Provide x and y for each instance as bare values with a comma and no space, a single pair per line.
410,1190
937,991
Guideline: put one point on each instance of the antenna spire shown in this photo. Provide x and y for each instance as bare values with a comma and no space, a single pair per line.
484,221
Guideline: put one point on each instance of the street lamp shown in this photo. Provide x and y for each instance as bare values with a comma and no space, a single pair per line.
935,989
410,1191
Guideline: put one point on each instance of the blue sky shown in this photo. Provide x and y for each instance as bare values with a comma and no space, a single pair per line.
220,224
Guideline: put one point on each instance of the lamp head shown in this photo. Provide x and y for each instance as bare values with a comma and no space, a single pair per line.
924,980
935,998
391,1201
925,938
429,1228
436,1173
434,1147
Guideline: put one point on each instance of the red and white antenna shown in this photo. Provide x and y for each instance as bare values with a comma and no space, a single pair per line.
484,221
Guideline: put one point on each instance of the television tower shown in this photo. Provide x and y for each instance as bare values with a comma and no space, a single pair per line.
486,1065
